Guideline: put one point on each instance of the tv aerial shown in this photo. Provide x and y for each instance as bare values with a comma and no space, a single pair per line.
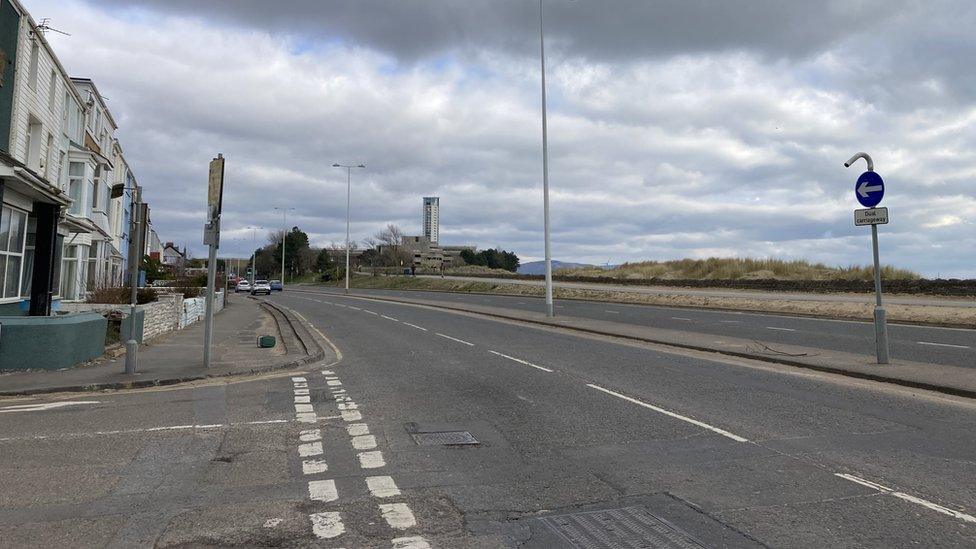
45,25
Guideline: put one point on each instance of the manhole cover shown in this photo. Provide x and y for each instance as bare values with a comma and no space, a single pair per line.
627,527
444,438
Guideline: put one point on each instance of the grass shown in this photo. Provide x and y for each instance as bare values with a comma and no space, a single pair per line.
717,268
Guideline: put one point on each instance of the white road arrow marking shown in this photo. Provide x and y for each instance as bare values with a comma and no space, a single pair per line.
864,189
44,406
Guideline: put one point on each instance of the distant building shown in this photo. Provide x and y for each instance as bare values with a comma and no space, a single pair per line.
432,218
430,255
173,257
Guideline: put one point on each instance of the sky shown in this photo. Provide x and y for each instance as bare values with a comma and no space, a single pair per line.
676,128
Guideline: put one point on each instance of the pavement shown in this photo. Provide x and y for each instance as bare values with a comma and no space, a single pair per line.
751,294
573,439
934,358
178,356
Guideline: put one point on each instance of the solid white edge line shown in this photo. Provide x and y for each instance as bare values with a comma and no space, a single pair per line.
703,425
455,339
942,344
414,326
908,497
780,329
544,369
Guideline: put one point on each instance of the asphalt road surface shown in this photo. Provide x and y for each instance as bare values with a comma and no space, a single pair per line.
581,442
951,346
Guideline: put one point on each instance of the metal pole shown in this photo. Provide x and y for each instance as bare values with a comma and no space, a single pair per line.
348,202
211,288
131,345
880,317
550,311
284,235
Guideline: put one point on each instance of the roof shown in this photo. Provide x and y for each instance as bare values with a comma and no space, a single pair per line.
98,94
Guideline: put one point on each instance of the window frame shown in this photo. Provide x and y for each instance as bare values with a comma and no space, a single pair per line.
6,212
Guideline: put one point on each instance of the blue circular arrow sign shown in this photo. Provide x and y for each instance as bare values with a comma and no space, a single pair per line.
869,189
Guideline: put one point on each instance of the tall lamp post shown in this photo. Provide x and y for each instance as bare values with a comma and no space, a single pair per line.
284,235
348,195
550,311
254,242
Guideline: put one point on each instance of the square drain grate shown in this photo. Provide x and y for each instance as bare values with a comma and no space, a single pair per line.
631,527
445,438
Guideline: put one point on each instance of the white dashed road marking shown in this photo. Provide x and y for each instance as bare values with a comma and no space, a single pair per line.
703,425
412,542
390,318
907,497
367,311
357,429
943,345
371,460
364,442
681,318
351,415
455,339
322,490
309,449
314,466
382,487
780,329
398,515
327,525
520,361
414,326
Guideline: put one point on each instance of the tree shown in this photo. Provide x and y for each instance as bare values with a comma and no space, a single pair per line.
296,254
495,258
390,244
323,260
153,268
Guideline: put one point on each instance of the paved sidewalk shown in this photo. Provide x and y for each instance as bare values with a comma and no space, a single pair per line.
178,356
948,379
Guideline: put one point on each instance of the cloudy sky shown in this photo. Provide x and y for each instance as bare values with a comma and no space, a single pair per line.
677,129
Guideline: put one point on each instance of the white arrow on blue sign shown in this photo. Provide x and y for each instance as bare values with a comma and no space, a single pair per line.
869,189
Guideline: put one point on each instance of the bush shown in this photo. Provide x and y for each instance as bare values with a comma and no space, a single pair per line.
122,295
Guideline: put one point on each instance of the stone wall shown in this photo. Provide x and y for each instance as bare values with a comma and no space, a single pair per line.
168,313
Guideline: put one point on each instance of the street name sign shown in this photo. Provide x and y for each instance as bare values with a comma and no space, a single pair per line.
871,216
869,189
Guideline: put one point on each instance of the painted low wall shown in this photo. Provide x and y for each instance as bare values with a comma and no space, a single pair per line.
51,342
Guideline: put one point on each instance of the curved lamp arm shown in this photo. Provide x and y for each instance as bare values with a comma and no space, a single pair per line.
865,156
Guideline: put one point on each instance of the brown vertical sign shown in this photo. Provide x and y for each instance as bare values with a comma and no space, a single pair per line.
215,191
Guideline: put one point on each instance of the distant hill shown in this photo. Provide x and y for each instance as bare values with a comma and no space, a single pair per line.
539,267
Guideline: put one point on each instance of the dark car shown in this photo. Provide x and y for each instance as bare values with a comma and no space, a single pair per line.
277,286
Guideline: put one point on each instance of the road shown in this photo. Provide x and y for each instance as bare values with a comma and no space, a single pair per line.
579,438
749,294
951,346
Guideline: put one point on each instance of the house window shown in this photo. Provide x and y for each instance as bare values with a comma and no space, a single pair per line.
13,228
33,149
95,203
52,92
31,242
59,168
69,272
32,71
76,175
45,158
92,278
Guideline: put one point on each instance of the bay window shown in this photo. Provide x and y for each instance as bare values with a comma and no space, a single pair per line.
13,231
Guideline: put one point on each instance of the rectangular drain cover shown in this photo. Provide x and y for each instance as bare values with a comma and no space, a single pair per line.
626,527
444,438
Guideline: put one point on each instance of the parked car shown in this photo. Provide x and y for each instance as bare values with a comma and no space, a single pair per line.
277,286
242,286
261,287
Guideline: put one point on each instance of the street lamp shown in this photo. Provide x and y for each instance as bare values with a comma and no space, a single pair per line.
348,194
254,243
284,234
545,163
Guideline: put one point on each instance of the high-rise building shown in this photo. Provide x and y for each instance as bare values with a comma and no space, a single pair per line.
432,218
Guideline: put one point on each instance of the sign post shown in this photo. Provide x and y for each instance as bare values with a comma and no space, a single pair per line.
136,248
211,237
869,190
